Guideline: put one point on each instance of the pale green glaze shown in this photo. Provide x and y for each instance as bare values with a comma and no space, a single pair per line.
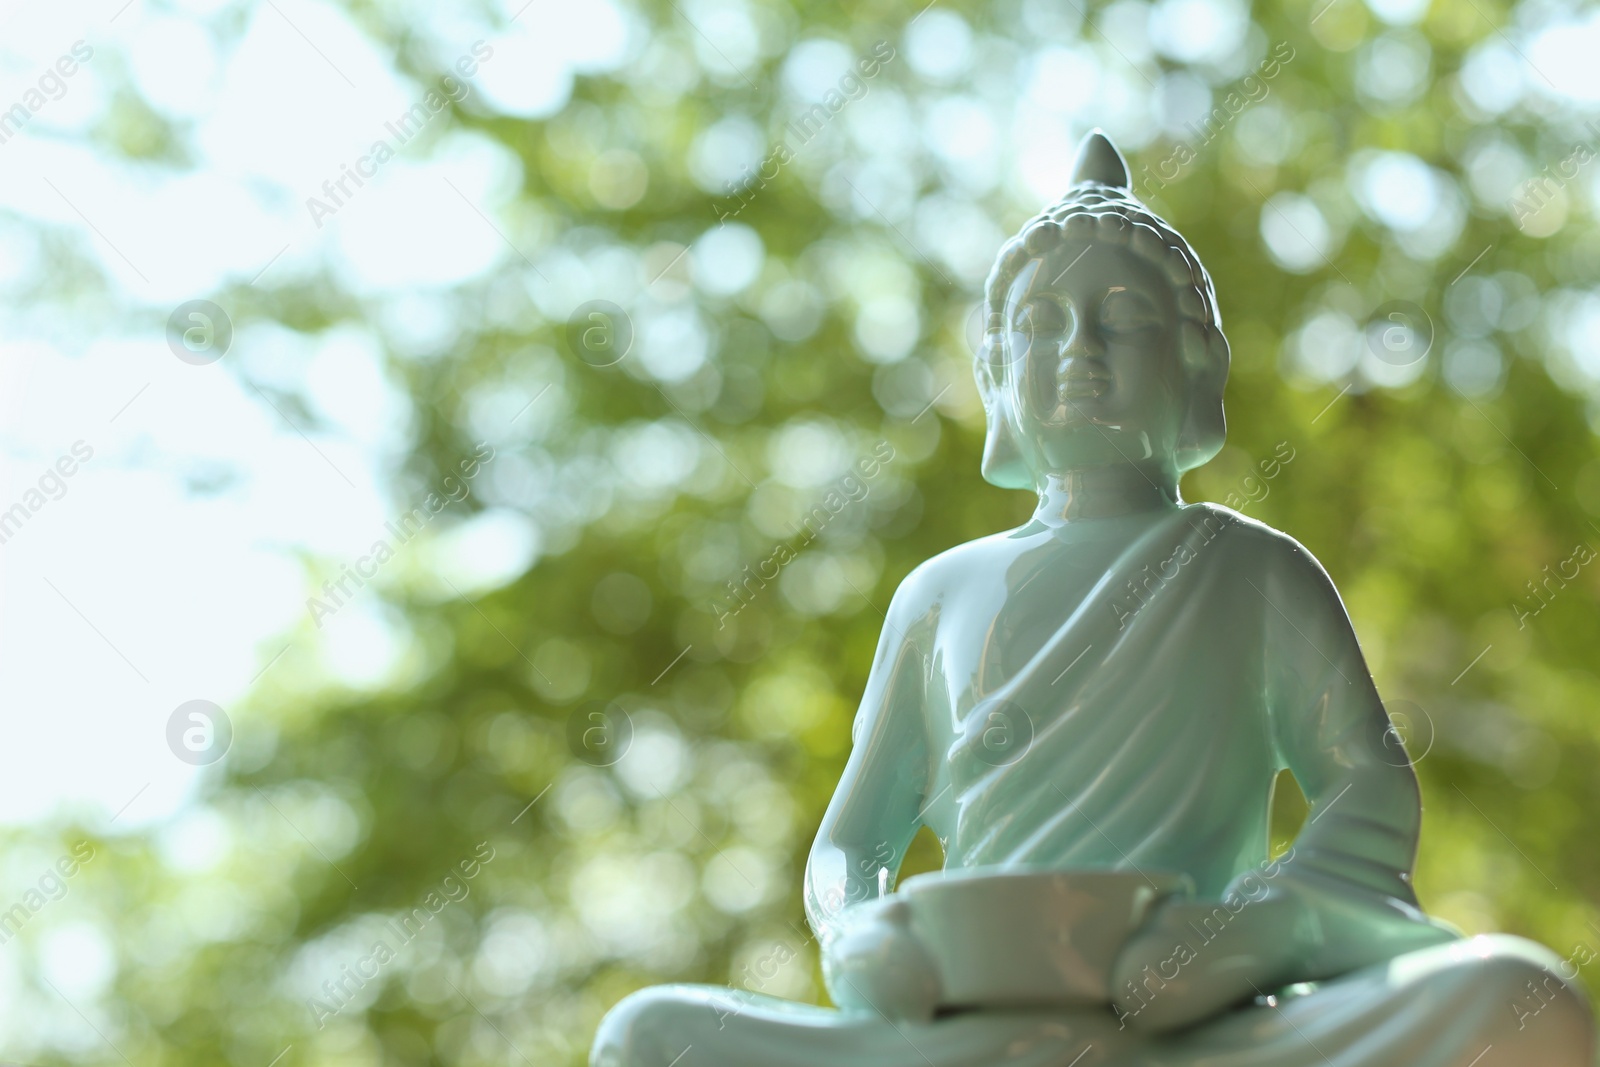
1089,712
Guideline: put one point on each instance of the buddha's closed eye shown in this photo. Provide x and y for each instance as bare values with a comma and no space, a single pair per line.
1040,318
1125,313
1122,313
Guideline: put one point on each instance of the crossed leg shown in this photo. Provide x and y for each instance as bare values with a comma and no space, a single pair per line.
1492,1001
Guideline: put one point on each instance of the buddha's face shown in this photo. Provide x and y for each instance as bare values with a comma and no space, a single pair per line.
1093,363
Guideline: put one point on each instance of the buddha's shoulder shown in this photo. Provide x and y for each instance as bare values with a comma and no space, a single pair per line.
1235,528
1251,544
937,578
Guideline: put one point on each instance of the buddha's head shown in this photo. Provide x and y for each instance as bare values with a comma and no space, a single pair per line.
1103,344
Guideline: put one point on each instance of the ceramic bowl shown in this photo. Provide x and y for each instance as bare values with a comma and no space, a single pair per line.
1029,938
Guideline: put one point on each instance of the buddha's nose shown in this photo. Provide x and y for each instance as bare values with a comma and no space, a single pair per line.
1080,338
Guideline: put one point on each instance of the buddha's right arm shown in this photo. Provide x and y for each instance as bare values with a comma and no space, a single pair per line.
875,809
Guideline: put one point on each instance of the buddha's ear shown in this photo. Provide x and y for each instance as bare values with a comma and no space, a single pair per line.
1205,428
1003,462
1003,465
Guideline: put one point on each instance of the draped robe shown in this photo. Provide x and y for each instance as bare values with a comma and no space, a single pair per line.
1143,733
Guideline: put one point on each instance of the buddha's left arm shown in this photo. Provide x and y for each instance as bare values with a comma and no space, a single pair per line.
1331,730
1352,861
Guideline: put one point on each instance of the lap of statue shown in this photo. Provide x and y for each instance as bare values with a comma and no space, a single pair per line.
1490,1001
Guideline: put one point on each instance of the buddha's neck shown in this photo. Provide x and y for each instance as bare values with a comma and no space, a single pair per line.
1105,492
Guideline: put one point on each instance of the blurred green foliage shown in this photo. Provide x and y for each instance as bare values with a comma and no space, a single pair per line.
1432,501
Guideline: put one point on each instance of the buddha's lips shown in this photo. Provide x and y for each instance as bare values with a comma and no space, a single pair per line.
1084,378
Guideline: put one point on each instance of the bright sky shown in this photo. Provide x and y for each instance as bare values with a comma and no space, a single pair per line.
170,567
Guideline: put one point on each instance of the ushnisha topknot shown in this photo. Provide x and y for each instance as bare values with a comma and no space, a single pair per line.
1099,206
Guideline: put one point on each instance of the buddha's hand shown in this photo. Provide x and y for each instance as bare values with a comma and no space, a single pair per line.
875,963
1193,959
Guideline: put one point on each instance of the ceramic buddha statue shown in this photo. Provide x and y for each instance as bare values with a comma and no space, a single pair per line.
1090,712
